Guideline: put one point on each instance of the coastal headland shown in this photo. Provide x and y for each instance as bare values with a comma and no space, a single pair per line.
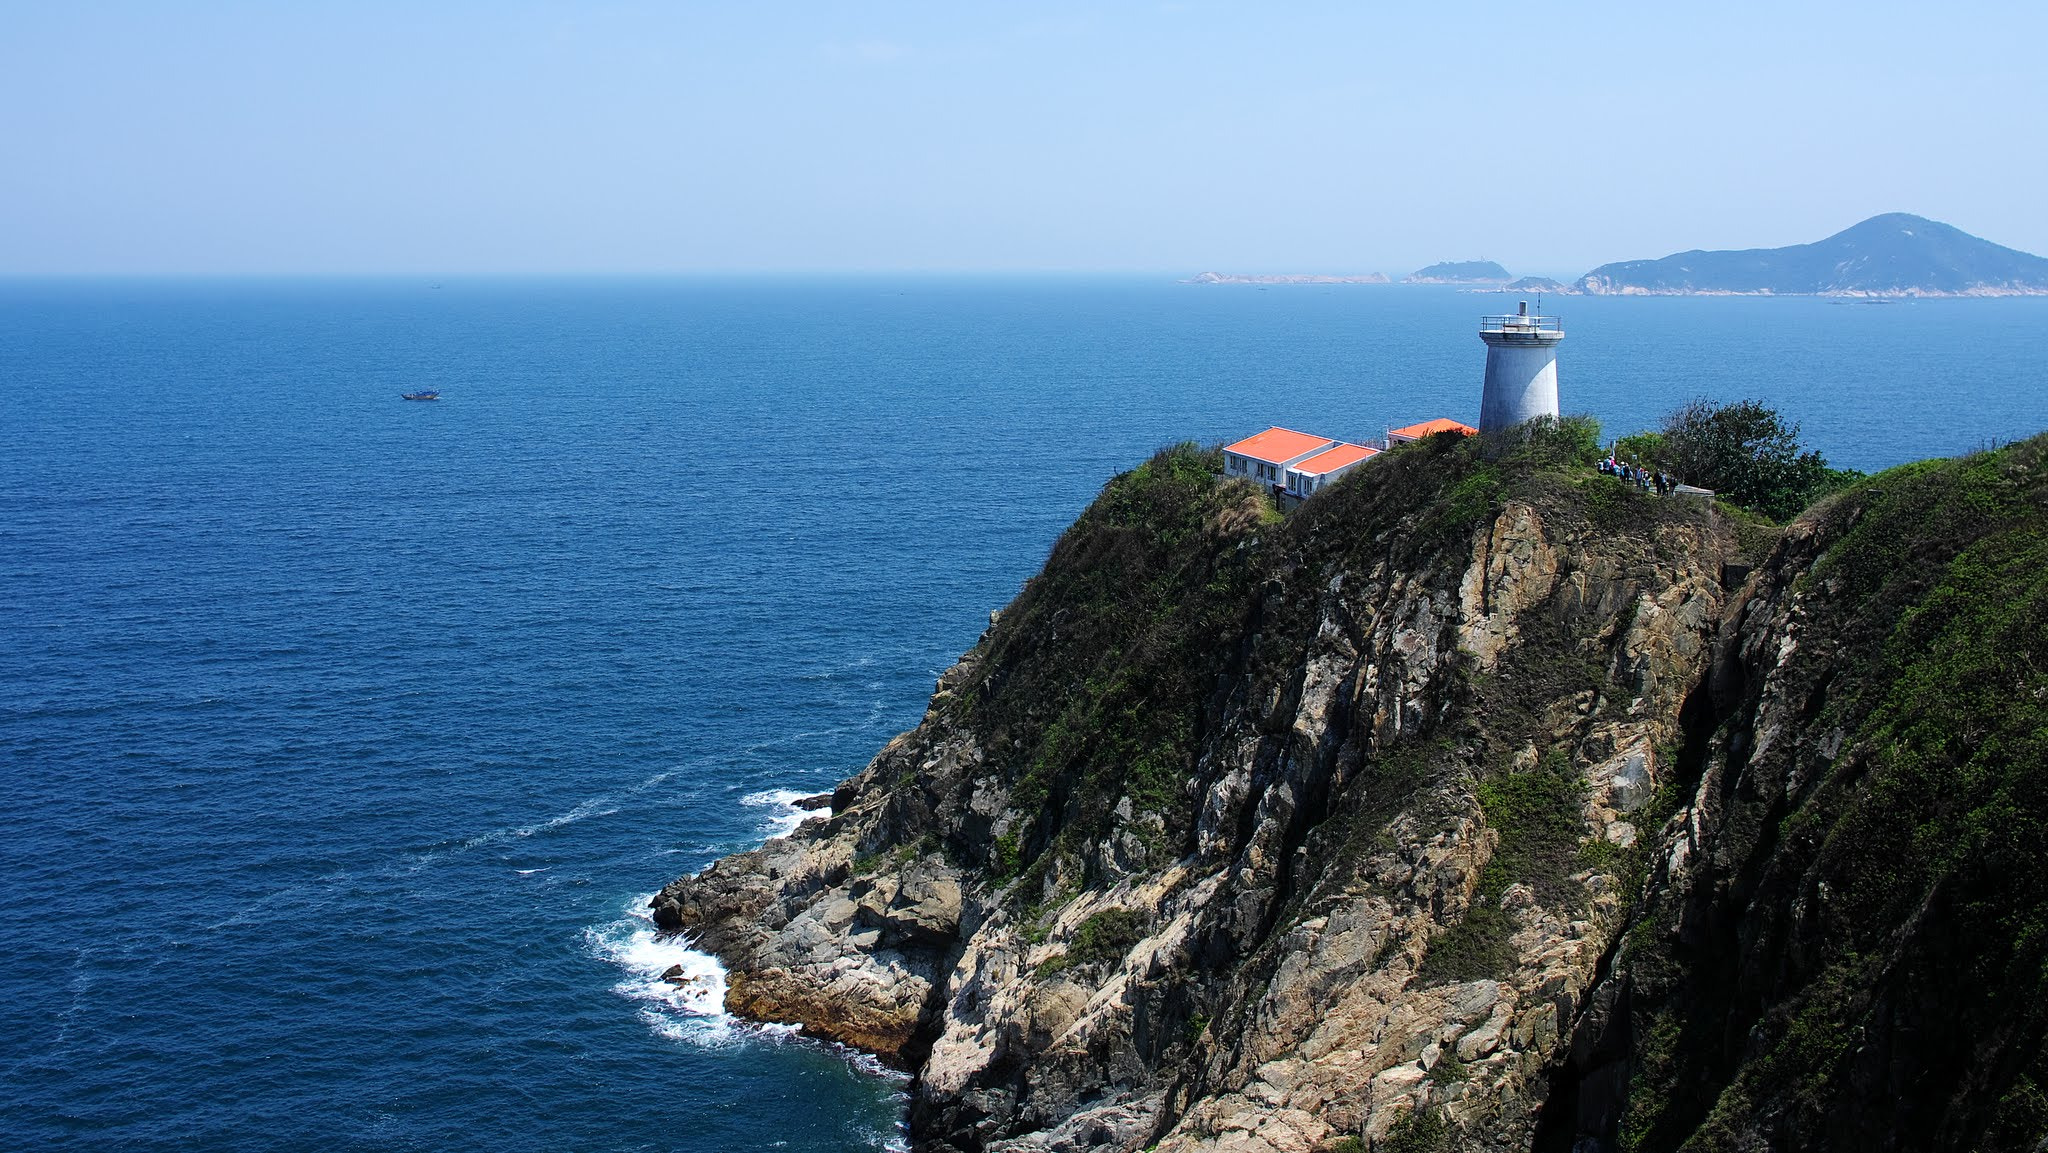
1479,803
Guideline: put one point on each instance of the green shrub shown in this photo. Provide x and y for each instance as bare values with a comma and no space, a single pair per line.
1106,936
1006,858
1642,448
1539,816
1466,504
1477,946
1748,454
1421,1131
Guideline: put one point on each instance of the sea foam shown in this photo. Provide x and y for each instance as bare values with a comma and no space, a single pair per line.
783,817
680,990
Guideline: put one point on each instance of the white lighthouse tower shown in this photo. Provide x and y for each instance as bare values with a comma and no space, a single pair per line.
1521,368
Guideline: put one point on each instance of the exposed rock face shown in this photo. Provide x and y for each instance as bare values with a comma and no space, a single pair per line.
1237,834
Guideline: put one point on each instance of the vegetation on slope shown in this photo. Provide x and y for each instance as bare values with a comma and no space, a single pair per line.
1103,665
1102,682
1875,974
1538,816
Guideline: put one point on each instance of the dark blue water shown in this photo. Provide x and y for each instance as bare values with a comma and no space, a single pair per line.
343,737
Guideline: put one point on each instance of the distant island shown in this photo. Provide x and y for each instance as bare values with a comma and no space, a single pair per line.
1285,278
1459,272
1896,254
1893,255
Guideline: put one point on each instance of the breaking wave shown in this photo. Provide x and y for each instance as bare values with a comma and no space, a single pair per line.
679,990
784,816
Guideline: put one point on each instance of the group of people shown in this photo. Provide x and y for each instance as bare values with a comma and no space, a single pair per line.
1643,478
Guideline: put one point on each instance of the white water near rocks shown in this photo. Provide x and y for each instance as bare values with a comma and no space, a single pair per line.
679,991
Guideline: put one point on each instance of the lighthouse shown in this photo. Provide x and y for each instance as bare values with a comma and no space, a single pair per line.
1521,368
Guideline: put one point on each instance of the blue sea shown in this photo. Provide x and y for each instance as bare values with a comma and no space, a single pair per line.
344,738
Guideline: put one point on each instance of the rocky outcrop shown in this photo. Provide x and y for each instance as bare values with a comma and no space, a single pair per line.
1240,833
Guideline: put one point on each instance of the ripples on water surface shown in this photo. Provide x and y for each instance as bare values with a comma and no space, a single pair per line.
345,737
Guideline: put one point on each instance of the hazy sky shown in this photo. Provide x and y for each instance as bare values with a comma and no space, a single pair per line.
304,137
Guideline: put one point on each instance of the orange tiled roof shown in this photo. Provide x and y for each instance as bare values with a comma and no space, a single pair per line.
1432,427
1277,445
1334,459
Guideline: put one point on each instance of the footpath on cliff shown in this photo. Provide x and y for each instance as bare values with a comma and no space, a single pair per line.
1479,803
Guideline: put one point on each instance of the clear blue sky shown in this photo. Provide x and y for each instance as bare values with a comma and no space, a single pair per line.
451,138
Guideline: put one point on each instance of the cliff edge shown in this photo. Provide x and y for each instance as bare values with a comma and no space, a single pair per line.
1480,803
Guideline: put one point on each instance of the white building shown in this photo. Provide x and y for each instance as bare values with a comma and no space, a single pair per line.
1296,463
1309,476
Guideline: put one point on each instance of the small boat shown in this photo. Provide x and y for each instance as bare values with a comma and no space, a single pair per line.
430,394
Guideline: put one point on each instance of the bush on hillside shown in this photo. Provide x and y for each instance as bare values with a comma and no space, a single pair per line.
1745,452
1644,448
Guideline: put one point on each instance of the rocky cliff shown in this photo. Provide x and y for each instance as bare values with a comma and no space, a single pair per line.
1480,803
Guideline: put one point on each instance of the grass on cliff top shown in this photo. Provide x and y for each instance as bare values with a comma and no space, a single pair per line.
1919,848
1458,484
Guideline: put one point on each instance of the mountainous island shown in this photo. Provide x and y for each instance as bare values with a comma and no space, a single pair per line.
1459,272
1896,254
1285,278
1480,803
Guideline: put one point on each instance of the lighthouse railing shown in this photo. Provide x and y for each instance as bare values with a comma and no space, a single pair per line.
1522,324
